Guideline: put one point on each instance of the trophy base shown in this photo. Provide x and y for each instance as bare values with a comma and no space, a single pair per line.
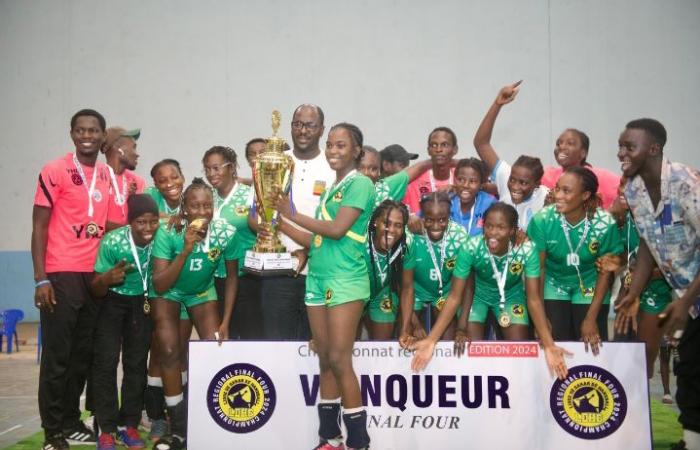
270,264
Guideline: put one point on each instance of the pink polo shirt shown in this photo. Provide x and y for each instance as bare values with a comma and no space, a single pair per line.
421,186
608,182
70,247
119,213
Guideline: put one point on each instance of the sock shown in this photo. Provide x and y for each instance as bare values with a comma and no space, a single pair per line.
154,400
329,421
155,381
178,416
692,440
183,376
173,400
356,422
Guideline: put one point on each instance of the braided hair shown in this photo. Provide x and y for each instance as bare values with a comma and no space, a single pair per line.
197,183
589,181
398,250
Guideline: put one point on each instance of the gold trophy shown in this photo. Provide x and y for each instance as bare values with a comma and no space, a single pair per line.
272,174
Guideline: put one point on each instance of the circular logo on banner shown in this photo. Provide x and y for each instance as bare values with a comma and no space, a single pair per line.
241,398
590,403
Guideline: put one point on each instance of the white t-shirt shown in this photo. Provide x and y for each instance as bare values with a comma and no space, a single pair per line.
311,178
528,207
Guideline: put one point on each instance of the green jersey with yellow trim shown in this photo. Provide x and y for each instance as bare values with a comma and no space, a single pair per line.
115,247
547,233
379,270
197,273
392,187
343,258
235,211
425,278
522,260
160,201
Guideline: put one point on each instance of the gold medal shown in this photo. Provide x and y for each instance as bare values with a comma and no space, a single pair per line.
440,303
627,282
146,305
318,240
92,229
504,320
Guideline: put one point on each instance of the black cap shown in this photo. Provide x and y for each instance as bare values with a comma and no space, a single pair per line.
140,204
394,152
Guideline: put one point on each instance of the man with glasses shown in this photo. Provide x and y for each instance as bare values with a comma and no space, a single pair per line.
284,312
442,148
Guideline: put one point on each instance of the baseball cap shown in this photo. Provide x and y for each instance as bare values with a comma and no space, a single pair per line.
114,133
395,152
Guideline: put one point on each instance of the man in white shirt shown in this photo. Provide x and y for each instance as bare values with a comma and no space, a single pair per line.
284,311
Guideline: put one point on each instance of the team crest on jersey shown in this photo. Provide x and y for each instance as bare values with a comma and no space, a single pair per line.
338,196
241,210
241,398
518,310
76,179
590,403
214,254
593,246
440,303
450,263
318,240
386,306
516,267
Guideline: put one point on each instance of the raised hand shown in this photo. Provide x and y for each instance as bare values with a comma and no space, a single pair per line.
508,93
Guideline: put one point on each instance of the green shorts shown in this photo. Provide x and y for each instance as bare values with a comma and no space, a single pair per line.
555,290
334,291
383,309
516,310
437,303
190,300
655,297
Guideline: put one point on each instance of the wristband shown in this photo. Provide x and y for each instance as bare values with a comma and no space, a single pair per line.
41,283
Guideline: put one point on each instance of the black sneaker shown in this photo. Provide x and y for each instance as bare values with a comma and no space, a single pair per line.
80,435
170,442
680,445
55,442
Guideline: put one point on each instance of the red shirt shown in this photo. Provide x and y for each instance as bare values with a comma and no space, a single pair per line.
71,247
119,213
608,182
421,186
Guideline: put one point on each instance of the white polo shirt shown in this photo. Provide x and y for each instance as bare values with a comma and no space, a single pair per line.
528,207
311,178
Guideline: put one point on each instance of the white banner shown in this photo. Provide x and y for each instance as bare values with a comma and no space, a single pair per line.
263,395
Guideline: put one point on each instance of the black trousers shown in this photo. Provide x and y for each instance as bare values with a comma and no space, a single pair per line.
283,309
566,319
66,338
687,372
246,319
121,325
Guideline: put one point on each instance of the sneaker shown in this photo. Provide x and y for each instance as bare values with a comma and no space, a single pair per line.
106,442
680,445
326,446
169,442
80,435
55,442
159,428
667,399
130,438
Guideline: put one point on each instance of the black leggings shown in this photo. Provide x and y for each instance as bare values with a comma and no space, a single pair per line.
566,319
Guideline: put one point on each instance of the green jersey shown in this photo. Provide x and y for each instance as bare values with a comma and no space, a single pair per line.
546,230
392,187
160,201
234,209
197,273
475,256
379,270
426,280
116,246
343,258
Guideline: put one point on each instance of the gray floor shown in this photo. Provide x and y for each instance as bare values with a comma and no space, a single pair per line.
19,375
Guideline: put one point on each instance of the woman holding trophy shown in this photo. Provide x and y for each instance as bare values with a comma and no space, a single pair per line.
337,286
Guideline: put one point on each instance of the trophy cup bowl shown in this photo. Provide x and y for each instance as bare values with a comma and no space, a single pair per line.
272,175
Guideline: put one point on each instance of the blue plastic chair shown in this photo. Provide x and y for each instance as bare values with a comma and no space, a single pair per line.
10,317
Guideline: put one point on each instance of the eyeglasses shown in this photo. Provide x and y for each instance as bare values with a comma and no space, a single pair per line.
215,169
311,126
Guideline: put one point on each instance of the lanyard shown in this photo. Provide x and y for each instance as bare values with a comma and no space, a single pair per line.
438,268
389,261
119,197
572,258
471,218
135,254
433,186
224,202
501,276
91,189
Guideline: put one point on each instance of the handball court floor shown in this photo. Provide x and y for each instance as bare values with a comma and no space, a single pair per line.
19,379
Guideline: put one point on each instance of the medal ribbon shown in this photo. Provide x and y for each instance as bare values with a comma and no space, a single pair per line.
433,186
119,197
501,277
565,227
135,254
438,269
389,260
325,215
91,189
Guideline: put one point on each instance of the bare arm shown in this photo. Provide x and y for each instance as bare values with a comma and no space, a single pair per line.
482,138
407,301
418,169
589,327
230,290
166,273
44,296
333,229
102,281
